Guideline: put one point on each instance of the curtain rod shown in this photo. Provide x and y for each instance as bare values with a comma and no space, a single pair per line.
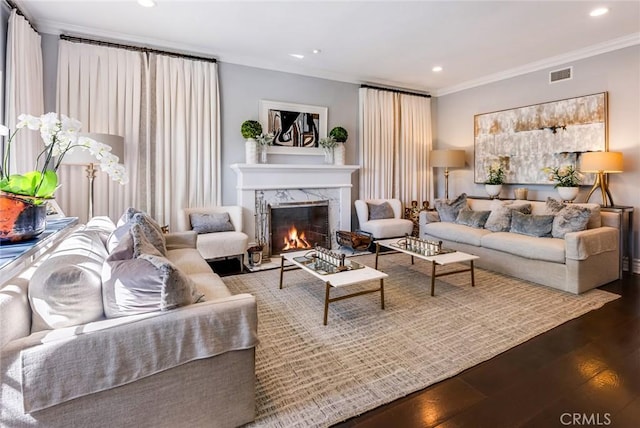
19,11
399,91
133,48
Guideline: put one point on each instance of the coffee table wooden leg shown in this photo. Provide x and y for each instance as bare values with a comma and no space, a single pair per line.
473,280
326,302
411,259
433,277
382,293
281,270
377,254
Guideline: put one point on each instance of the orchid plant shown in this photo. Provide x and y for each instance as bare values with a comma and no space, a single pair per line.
327,143
265,139
59,135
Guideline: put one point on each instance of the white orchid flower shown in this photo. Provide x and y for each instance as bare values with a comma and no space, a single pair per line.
4,131
31,122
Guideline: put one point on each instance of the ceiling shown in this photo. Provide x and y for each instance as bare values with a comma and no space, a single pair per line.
391,43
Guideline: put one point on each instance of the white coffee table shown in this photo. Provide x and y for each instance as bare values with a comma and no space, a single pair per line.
341,279
437,260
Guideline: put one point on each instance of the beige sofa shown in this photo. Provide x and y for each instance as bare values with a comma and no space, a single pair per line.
581,261
190,366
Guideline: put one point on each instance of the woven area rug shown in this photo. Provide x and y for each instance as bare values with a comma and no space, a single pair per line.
309,374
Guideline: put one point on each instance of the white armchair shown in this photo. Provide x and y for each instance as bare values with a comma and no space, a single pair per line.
382,228
216,245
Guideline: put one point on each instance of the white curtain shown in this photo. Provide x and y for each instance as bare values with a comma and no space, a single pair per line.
24,90
104,88
395,142
183,167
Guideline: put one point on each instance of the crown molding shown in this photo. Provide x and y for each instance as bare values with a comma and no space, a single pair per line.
590,51
56,28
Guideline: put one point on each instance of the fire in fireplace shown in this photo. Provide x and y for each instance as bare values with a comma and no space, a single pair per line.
295,226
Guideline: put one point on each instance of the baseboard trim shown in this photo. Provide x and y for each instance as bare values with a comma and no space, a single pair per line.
635,265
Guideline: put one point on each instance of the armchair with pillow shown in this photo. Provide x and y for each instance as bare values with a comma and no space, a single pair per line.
382,218
219,231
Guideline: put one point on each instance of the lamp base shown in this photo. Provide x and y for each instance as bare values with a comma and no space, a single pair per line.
602,183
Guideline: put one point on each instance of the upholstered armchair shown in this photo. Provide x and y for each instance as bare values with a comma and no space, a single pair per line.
219,230
382,218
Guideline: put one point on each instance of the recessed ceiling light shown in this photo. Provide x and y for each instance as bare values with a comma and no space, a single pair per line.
436,69
297,56
599,11
316,51
147,3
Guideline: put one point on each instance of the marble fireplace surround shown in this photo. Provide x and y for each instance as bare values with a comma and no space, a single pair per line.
295,183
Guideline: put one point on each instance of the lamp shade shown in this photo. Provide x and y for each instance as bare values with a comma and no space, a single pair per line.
601,161
447,158
82,156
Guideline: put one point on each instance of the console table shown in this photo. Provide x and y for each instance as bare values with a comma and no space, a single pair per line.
15,256
626,234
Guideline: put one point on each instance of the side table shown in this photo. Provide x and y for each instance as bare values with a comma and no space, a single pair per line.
626,234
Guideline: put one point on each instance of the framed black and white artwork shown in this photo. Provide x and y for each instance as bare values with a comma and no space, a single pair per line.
297,128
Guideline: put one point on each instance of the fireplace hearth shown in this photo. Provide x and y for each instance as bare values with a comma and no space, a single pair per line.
295,226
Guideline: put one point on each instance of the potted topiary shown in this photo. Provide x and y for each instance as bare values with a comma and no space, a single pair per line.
250,129
340,135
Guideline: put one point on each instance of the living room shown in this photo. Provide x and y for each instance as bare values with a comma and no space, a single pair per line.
608,65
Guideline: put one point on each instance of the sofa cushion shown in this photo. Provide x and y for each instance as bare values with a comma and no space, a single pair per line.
571,218
455,232
189,261
501,212
532,225
150,228
66,290
211,222
144,284
380,211
472,218
546,249
448,210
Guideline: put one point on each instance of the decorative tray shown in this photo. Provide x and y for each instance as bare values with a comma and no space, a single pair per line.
326,268
425,251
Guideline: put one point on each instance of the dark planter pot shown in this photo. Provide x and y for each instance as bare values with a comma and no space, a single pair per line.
20,219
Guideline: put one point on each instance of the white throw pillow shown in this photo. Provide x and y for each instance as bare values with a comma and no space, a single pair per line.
66,289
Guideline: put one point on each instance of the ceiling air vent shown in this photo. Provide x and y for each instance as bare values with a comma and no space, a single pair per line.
559,75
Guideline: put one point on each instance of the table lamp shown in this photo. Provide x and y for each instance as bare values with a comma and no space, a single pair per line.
82,156
602,163
446,159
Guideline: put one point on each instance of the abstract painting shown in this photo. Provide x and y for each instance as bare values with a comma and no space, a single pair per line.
526,139
296,127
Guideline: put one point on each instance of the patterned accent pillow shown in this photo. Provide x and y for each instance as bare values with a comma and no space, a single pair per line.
211,222
501,212
532,225
146,284
570,219
380,211
449,210
553,206
472,218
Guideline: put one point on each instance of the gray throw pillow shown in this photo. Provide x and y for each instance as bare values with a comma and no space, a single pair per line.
380,211
570,219
211,223
500,218
472,218
141,244
145,284
150,228
449,210
532,225
553,206
127,215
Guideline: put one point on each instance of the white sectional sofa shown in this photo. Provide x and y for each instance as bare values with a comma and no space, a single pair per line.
189,366
576,263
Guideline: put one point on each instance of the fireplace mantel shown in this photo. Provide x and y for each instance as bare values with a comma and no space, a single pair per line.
252,178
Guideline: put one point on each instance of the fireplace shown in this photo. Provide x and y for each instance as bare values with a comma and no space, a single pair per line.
295,226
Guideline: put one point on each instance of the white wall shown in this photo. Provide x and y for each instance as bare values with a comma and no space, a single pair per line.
242,88
617,73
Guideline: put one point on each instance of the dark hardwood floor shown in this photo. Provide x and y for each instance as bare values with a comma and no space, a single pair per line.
585,372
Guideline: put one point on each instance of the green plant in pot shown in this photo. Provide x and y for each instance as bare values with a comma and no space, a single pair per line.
250,129
339,134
